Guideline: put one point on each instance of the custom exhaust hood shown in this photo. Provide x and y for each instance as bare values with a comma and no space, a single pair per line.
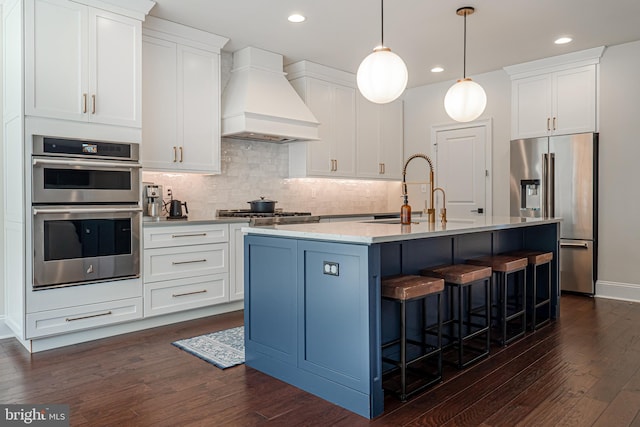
259,104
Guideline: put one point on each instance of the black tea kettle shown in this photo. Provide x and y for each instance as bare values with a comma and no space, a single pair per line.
175,209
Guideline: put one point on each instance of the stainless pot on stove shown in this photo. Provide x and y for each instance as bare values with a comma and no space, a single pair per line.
263,205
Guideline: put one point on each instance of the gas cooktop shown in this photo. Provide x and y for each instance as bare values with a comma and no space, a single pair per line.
270,218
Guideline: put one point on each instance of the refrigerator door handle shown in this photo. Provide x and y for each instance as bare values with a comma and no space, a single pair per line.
574,245
552,184
545,185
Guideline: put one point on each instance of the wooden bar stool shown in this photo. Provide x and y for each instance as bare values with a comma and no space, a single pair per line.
514,309
458,278
536,260
403,289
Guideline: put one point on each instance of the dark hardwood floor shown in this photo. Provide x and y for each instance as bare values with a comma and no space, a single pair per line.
582,370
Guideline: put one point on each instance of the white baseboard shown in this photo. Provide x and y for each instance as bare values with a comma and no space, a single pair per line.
5,331
619,291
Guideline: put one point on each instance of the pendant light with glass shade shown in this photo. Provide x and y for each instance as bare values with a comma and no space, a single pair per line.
466,99
382,76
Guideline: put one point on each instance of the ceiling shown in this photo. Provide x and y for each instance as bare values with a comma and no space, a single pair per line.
425,33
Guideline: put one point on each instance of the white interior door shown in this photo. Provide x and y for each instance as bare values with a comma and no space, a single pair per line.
463,169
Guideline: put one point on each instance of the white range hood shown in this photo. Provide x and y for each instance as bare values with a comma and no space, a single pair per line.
260,104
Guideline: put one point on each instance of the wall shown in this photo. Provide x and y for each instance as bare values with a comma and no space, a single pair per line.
254,169
424,108
619,232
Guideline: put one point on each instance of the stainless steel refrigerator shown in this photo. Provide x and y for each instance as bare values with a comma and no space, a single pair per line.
557,176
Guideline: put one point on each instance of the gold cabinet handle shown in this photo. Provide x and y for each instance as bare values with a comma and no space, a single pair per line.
181,154
384,169
93,104
554,123
84,103
548,122
204,291
175,154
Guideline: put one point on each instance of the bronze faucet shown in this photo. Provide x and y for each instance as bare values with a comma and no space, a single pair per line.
431,211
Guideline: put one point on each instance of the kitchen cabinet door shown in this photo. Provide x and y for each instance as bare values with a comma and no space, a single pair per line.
332,100
343,145
56,75
199,110
82,64
379,139
368,138
319,100
159,91
115,69
181,85
574,103
391,149
558,103
531,106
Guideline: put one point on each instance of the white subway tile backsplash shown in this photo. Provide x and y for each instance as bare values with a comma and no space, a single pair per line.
254,169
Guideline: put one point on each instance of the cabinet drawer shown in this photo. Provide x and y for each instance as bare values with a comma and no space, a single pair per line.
184,294
83,317
187,261
184,235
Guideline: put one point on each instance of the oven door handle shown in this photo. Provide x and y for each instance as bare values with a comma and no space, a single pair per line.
121,165
38,211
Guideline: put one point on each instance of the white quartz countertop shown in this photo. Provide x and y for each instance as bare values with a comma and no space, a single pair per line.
191,220
390,230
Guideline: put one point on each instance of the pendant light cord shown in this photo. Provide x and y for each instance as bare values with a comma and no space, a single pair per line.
381,22
464,56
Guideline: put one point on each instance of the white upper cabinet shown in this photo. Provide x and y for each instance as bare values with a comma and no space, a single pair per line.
331,96
181,93
379,142
82,64
358,139
555,96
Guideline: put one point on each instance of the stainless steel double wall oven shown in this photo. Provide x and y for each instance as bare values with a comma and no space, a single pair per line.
86,211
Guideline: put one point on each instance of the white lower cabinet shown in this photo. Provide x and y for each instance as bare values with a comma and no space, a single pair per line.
185,294
185,261
87,316
186,267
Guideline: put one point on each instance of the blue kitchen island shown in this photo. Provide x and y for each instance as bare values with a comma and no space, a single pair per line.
313,312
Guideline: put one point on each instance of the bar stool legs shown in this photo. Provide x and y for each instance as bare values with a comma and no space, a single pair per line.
459,281
518,305
402,289
508,314
536,260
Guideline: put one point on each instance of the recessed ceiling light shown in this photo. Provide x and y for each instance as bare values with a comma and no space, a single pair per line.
437,69
296,18
563,40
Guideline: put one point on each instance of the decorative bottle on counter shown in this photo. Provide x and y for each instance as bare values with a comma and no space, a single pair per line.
405,212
